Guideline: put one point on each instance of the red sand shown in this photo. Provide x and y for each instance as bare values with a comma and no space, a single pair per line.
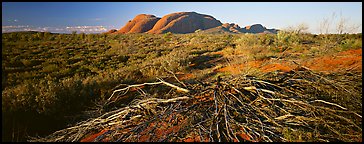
346,60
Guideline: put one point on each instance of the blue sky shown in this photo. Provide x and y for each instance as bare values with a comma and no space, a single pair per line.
102,16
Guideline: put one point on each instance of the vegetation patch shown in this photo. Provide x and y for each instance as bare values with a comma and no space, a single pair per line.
60,81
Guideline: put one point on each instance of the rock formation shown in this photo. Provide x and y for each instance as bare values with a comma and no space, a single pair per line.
184,22
257,28
225,28
141,23
232,28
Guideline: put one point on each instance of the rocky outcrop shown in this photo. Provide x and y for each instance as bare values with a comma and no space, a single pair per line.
257,28
232,28
225,28
184,22
140,24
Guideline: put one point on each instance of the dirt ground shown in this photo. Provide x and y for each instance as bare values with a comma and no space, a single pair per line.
342,61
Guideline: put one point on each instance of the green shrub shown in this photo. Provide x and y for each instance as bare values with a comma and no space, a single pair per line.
350,44
267,39
26,62
287,38
248,40
167,36
50,68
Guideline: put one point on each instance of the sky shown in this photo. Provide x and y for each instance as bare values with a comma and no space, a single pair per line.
96,17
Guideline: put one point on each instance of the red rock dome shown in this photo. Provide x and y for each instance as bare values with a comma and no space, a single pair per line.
184,22
141,23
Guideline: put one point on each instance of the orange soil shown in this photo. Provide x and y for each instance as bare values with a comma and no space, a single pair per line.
196,138
184,76
282,66
352,52
236,69
162,129
91,138
203,98
346,60
244,136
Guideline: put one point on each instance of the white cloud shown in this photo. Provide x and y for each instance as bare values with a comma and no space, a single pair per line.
13,20
87,29
19,26
68,29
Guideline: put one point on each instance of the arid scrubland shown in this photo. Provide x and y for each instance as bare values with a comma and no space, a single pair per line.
243,87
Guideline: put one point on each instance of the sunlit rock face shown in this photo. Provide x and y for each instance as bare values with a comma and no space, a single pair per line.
141,23
184,22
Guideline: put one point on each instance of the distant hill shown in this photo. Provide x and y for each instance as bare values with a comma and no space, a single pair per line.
258,28
186,22
235,29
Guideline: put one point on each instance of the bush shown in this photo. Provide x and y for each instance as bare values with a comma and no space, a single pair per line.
286,38
167,36
350,44
266,39
50,68
248,40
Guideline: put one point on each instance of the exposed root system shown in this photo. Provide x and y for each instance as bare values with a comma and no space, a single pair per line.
315,106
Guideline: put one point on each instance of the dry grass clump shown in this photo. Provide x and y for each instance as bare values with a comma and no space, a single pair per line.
294,106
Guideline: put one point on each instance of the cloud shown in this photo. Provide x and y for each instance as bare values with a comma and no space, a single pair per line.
13,20
19,26
68,29
14,28
87,29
